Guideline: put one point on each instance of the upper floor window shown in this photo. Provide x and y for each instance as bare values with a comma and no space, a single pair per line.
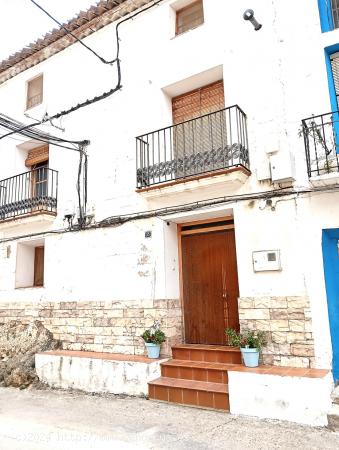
329,14
34,92
198,102
189,17
335,13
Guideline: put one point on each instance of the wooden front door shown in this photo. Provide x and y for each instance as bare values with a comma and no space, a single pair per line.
209,285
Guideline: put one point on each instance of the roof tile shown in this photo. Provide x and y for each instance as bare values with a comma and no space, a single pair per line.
83,18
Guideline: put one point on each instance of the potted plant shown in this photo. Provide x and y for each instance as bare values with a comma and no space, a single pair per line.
250,343
153,338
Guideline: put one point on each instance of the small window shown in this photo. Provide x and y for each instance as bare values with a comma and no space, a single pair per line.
189,17
34,92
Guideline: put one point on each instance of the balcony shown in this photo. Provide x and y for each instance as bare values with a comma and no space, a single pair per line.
211,144
321,137
29,193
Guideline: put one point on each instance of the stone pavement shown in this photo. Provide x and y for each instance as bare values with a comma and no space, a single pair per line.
60,420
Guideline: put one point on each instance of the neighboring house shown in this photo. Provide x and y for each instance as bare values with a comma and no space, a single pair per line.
210,133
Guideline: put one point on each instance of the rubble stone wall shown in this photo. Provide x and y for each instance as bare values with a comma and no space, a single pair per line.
288,323
101,326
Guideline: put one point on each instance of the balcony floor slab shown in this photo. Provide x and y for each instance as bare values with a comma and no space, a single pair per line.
201,187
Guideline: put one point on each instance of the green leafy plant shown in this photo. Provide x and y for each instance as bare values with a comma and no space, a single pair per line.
247,338
154,335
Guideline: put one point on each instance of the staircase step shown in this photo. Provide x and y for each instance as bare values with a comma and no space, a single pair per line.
188,392
196,370
207,353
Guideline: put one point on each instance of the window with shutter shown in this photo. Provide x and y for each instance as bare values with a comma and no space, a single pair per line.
34,92
335,13
200,126
196,103
335,72
189,17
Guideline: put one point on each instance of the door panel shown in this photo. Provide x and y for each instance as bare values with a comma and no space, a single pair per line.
39,257
210,286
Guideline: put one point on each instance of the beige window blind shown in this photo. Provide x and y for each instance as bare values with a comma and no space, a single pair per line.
189,17
34,92
37,155
196,103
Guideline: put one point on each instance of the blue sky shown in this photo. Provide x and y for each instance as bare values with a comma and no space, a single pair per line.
21,22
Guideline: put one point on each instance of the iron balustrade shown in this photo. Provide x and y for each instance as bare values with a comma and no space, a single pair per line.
29,192
321,137
207,143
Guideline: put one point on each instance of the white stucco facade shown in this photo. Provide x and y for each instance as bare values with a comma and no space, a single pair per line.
276,75
97,375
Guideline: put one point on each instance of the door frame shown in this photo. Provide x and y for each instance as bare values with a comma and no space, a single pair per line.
181,233
330,239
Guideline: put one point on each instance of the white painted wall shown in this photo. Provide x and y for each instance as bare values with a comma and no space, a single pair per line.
277,76
97,375
295,399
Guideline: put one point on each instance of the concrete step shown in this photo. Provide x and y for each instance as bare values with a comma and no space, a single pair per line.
196,370
207,353
97,372
201,394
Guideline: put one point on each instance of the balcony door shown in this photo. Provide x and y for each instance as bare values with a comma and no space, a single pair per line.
40,179
37,161
200,130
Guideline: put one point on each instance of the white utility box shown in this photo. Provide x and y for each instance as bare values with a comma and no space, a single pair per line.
282,167
266,260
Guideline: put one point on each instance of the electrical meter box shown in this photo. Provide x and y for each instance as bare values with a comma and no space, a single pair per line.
266,260
282,167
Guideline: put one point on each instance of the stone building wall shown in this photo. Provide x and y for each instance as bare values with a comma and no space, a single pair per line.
101,326
287,321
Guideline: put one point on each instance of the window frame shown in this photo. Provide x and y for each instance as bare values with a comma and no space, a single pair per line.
329,51
326,15
178,11
28,106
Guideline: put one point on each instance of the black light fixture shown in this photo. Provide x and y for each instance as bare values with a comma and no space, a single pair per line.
249,15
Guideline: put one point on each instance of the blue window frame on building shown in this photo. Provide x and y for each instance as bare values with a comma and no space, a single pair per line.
329,14
332,67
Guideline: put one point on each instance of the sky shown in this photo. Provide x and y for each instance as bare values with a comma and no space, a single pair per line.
21,22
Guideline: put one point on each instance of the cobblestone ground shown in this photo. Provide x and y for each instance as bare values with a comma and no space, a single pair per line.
58,420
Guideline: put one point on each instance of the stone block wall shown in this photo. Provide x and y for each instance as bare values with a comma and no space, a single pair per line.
287,321
113,326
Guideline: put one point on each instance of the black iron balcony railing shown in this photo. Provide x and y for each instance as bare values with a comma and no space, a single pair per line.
321,137
211,142
29,192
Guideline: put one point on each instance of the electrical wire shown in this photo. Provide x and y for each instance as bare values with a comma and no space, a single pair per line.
80,146
103,60
98,97
114,221
17,127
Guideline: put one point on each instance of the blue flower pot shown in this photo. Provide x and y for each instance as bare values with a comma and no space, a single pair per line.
153,350
250,357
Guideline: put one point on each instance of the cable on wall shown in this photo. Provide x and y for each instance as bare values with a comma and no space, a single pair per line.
103,60
114,221
98,97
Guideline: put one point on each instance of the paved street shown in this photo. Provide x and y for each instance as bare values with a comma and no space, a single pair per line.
58,420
